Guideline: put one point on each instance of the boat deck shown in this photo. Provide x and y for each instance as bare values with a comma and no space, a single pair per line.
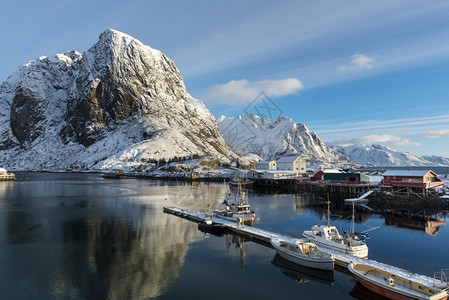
264,236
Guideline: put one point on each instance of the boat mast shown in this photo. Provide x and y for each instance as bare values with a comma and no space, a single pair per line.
328,211
352,220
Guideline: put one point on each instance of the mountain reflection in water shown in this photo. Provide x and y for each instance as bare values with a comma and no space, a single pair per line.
65,236
76,239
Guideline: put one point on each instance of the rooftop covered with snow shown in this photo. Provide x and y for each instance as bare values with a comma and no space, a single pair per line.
287,159
412,173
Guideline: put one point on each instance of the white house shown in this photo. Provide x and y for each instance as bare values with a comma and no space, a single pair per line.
291,163
266,165
3,171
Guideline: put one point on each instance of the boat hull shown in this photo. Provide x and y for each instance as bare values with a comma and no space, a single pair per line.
382,291
316,262
302,273
321,265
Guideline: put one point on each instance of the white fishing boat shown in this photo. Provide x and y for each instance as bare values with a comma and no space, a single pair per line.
328,236
390,285
303,252
236,210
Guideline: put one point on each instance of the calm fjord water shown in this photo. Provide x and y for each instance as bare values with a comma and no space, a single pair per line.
78,236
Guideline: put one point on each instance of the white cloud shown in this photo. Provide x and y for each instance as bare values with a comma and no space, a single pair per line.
386,139
238,91
359,62
396,125
433,134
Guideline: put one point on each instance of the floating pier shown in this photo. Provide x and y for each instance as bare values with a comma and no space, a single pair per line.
262,236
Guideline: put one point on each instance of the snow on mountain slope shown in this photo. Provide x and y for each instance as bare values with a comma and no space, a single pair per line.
119,103
377,155
273,139
436,160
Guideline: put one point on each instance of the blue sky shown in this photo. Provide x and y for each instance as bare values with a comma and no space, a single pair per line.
353,71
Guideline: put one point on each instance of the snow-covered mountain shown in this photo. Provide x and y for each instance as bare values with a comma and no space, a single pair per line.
377,155
119,103
272,139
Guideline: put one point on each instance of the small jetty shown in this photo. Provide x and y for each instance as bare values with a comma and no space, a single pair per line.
4,175
263,237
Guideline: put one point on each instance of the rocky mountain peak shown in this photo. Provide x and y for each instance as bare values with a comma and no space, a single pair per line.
118,77
271,139
118,93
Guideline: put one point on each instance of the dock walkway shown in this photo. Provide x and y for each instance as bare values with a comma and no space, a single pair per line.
264,236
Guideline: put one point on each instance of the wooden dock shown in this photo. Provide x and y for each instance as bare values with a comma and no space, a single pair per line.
262,236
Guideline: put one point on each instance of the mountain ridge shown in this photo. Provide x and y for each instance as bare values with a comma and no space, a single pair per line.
381,156
271,139
118,104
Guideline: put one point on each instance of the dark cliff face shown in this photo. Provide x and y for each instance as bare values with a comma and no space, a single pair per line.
31,111
115,84
25,117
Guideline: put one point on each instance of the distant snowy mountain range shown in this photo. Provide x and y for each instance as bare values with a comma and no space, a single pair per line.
377,155
122,103
251,134
271,139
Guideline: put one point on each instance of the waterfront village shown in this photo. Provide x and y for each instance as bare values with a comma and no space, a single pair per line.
292,175
288,174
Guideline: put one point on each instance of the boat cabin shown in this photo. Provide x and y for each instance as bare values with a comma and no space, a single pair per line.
298,247
328,232
242,208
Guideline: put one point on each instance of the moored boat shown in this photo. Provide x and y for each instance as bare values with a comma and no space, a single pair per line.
328,236
236,210
303,252
393,286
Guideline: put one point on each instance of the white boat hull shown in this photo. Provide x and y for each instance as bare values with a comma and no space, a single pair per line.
359,251
323,263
